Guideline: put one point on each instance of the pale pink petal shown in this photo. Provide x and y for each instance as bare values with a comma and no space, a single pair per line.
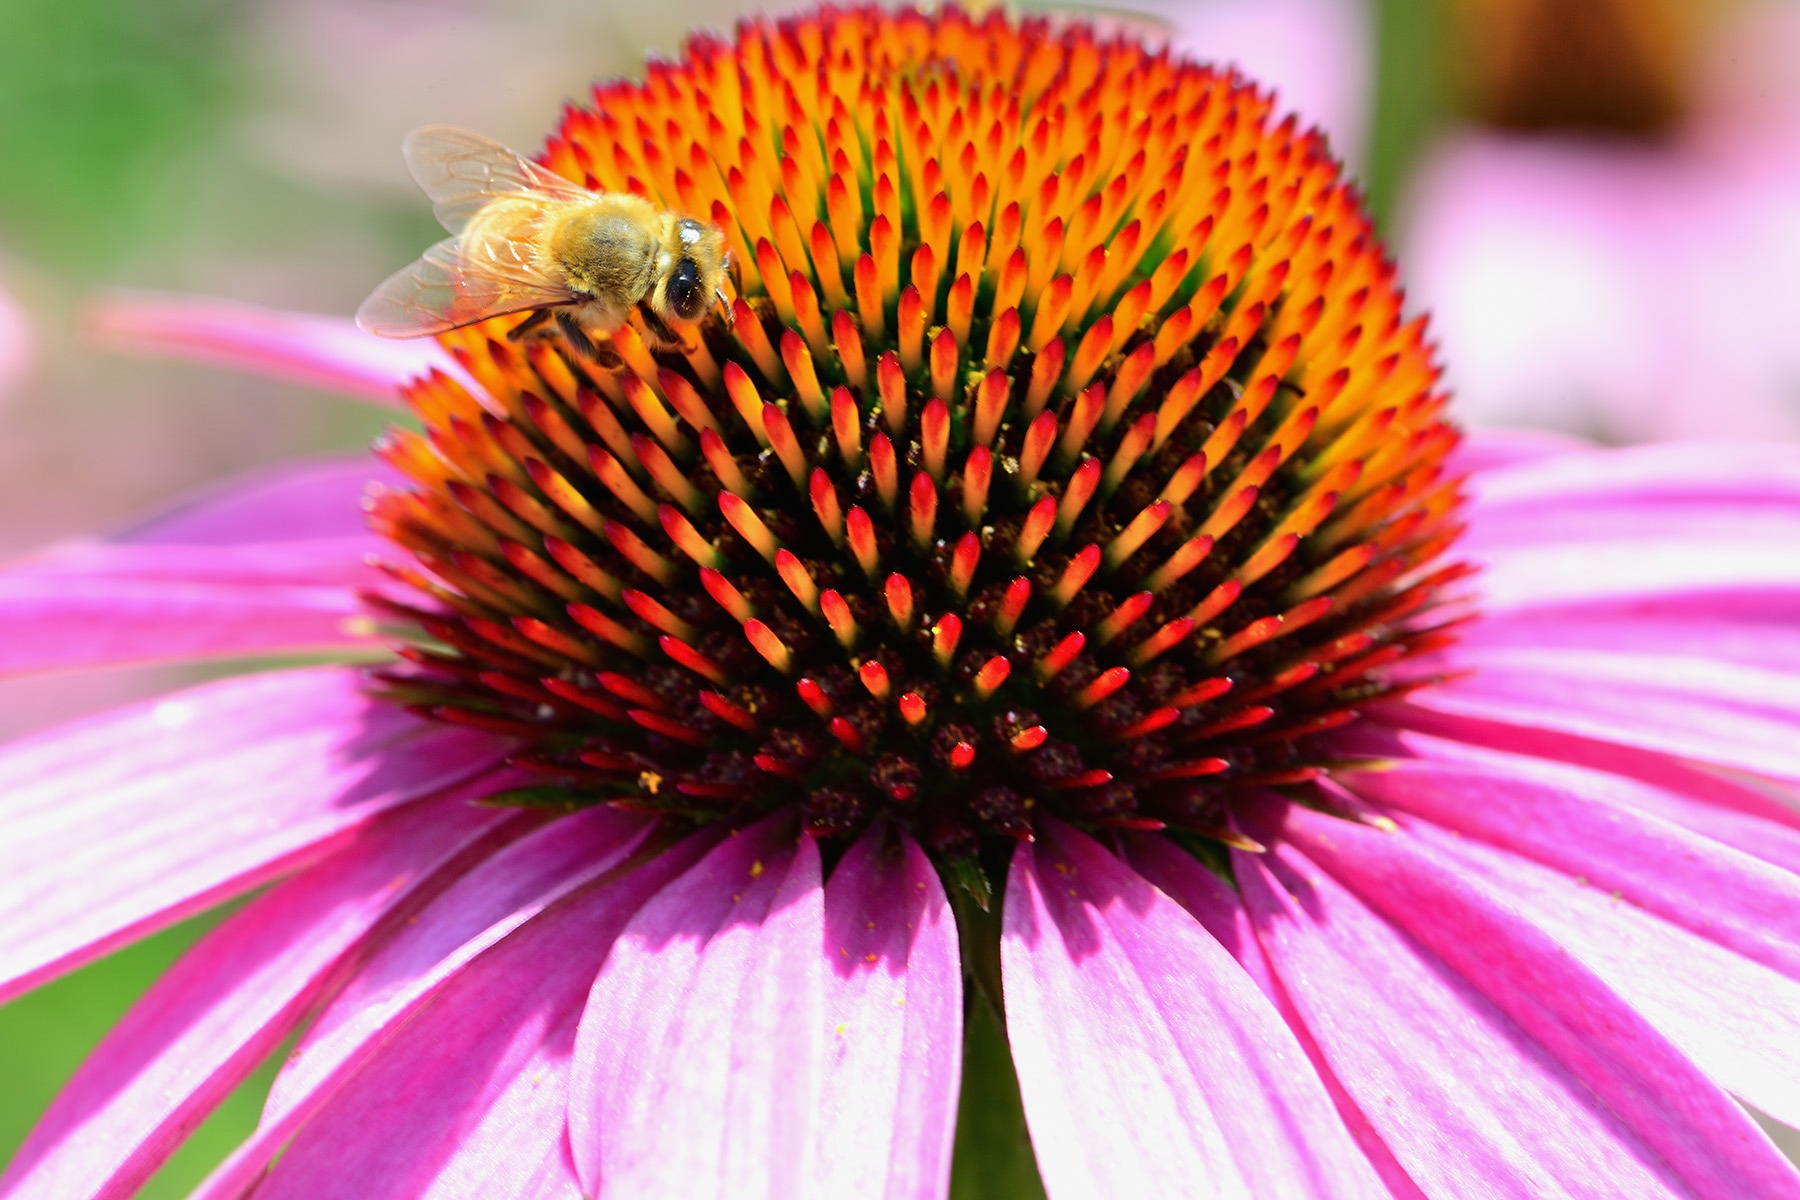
697,1067
230,1000
125,822
1491,449
1469,1103
1753,820
71,621
1676,471
1726,713
1743,628
466,1099
318,351
1738,1021
1579,827
1147,1059
1219,909
295,501
1710,1145
478,910
893,1017
401,976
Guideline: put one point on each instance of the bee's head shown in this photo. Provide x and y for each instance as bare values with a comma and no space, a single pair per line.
698,271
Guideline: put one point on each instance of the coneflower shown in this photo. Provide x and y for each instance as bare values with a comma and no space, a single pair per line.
1034,601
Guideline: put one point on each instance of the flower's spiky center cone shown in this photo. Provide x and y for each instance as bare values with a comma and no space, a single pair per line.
1068,451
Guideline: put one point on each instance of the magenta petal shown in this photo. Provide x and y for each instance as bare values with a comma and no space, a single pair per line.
466,1099
228,1002
1574,824
1220,911
1466,1100
1147,1059
697,1066
1708,1143
294,501
1730,811
318,351
493,899
1724,713
893,1011
1738,1021
125,822
1658,473
119,605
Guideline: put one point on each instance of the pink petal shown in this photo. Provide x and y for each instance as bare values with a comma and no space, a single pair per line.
317,351
1709,1144
229,1001
1738,1021
401,977
1491,449
1147,1059
1466,1099
1581,829
122,823
487,904
1725,713
1742,627
1749,819
467,1098
697,1066
893,1009
1672,471
1219,909
295,501
57,619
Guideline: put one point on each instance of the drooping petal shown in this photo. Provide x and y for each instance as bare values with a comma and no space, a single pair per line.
1740,1022
1491,449
318,351
467,1097
893,1018
1220,911
230,1000
1726,713
111,606
1147,1058
1708,1143
1746,814
1469,1103
296,501
125,822
1685,472
697,1066
1731,898
479,909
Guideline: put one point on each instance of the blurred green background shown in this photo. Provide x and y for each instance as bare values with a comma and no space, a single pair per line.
249,149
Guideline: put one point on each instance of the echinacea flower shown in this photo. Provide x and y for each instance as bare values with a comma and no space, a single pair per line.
1038,601
1634,283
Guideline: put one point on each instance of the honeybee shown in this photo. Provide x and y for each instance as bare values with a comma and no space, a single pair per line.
526,238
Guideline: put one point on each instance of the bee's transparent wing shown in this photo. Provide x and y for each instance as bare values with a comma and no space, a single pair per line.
448,288
462,171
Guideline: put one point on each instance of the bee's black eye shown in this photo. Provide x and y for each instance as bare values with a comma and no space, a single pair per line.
684,290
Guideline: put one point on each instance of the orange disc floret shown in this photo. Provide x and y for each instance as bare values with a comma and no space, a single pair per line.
1066,450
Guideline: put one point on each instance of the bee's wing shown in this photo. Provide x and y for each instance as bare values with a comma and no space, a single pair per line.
446,289
462,171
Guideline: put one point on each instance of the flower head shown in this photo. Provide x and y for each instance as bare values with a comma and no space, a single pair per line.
1065,453
1054,529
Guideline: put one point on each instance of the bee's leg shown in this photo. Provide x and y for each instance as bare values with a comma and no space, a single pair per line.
657,327
528,324
578,338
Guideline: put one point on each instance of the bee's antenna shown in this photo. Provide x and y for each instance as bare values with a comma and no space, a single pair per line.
730,313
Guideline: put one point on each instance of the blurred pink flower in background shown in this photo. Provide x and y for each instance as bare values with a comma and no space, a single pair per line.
16,347
1628,288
